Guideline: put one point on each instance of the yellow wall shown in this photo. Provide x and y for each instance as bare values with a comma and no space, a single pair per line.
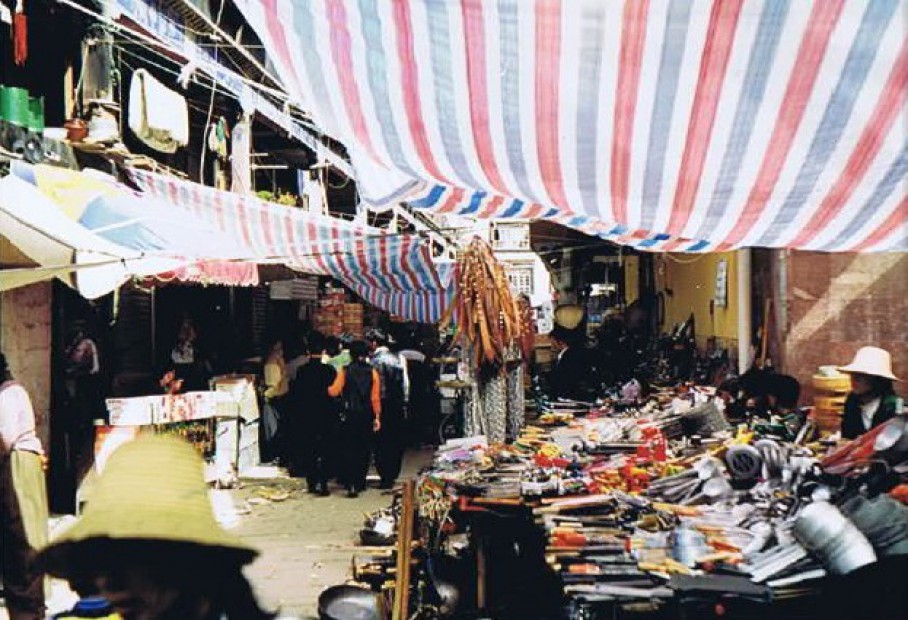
692,279
631,279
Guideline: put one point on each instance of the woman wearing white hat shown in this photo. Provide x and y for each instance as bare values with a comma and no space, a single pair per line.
872,400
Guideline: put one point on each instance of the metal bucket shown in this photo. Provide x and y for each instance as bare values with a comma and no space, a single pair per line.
825,531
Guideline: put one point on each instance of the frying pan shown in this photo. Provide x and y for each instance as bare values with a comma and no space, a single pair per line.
348,603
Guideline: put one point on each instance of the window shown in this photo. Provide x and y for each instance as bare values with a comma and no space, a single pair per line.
511,236
520,277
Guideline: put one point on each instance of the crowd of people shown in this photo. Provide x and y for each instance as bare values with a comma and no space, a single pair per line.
333,407
148,544
759,396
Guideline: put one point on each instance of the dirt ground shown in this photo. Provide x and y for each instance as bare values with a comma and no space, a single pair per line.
307,542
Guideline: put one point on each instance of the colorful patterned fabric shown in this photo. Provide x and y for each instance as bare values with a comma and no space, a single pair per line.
393,272
688,125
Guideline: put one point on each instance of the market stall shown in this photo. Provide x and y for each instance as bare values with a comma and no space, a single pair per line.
654,507
221,423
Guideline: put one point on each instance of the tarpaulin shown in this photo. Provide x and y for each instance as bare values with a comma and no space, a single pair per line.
111,213
689,125
185,230
64,249
393,272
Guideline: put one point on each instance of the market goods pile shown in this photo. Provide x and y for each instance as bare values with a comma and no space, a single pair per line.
634,507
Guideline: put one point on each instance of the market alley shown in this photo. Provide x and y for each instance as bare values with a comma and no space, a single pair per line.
306,542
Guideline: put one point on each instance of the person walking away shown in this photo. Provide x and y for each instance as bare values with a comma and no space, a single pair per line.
275,392
389,444
313,418
567,377
82,372
297,355
337,352
872,400
359,386
149,544
23,507
420,402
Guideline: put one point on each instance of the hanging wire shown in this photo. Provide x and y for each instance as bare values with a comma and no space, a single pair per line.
207,126
145,60
679,261
279,94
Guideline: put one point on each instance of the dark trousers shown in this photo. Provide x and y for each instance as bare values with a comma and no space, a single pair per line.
389,444
272,430
23,527
317,459
357,440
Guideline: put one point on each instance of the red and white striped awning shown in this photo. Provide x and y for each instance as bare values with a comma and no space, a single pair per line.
690,125
393,272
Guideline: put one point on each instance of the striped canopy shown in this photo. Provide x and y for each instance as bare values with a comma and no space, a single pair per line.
393,272
687,125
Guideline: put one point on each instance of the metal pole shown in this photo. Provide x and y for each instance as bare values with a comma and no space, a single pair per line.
154,330
744,310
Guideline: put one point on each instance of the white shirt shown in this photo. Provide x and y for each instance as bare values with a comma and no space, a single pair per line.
868,410
413,355
17,420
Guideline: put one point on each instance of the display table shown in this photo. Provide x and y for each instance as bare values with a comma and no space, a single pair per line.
221,423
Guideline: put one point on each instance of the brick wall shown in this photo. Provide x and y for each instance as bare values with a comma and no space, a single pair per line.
837,303
25,338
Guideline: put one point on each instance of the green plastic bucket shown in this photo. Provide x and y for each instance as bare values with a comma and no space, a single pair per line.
36,114
14,106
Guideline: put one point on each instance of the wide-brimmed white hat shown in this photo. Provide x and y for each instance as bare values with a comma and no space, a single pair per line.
871,361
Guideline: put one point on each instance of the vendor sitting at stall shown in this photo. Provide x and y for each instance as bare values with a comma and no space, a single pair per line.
570,371
872,399
782,393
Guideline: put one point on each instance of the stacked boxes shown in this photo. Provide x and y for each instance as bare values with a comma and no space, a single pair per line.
353,320
329,318
829,400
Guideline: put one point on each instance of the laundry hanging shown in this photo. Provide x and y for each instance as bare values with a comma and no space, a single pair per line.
691,125
158,116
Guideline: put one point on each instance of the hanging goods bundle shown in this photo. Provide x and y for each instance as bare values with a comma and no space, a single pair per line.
487,315
527,339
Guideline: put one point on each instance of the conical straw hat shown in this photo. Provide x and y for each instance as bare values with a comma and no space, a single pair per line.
871,361
152,489
568,317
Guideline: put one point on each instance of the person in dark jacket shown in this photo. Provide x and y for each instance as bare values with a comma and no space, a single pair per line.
359,386
782,394
395,388
313,419
872,400
571,368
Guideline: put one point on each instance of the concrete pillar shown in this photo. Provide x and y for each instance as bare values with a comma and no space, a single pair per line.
745,326
25,338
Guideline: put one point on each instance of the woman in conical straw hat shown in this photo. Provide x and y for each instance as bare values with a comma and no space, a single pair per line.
872,400
149,543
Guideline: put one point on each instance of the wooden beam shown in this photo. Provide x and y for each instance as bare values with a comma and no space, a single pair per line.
404,545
